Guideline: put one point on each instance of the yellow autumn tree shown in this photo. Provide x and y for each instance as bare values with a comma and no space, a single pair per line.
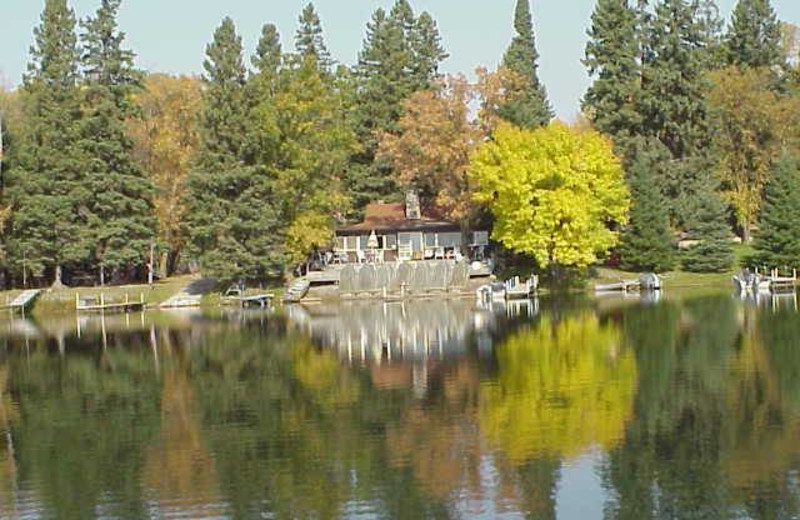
437,134
561,388
751,123
165,138
557,193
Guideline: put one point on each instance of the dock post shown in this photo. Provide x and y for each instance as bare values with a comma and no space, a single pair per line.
102,302
77,302
141,299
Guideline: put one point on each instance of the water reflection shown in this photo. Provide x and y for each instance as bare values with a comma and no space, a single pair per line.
681,408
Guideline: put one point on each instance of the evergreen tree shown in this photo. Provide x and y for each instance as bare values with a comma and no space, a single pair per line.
673,99
261,89
49,185
647,242
531,109
269,54
709,25
231,223
612,59
713,251
400,55
121,222
428,52
777,243
674,80
310,40
754,36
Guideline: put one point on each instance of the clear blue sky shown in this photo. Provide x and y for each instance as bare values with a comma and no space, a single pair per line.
170,35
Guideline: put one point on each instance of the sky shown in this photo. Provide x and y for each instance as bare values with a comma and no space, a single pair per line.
171,35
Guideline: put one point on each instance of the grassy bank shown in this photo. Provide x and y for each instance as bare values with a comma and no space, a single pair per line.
678,278
62,301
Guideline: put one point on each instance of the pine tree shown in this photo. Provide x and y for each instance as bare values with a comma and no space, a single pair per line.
713,251
709,25
612,59
231,222
269,54
647,242
49,187
121,222
400,55
531,109
674,80
754,36
428,52
777,243
310,40
675,83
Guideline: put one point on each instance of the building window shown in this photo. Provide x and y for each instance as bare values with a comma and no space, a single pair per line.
430,240
480,238
340,244
450,239
390,242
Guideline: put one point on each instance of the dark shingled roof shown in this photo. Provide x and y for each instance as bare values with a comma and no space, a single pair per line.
392,217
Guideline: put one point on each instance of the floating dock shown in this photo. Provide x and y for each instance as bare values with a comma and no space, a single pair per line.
23,300
645,282
257,300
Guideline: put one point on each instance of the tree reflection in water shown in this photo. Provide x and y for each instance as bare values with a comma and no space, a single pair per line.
426,410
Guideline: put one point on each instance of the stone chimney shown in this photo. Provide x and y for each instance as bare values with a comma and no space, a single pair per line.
412,205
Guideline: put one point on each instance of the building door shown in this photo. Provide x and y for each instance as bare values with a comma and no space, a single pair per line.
409,245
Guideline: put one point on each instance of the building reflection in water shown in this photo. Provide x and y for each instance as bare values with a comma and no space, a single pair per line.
371,332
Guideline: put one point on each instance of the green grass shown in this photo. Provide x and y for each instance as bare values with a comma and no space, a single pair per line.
679,278
62,301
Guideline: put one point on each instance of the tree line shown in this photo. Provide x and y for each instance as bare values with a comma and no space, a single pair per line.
109,172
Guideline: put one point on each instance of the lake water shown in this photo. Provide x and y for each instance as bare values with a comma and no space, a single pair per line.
687,407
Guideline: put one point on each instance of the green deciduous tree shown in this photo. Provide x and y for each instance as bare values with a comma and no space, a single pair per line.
647,242
754,36
121,225
50,194
612,59
556,193
531,109
315,143
713,250
777,243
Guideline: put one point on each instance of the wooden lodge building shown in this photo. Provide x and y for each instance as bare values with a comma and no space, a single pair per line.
400,232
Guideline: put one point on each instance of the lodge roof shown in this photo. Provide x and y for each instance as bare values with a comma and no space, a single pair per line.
392,217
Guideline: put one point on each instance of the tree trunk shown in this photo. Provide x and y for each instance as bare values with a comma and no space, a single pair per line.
151,265
58,283
746,233
102,276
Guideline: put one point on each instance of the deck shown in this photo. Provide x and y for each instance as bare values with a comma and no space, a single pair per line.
100,304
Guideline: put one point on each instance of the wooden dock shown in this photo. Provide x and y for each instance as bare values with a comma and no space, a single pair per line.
100,304
258,300
23,300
